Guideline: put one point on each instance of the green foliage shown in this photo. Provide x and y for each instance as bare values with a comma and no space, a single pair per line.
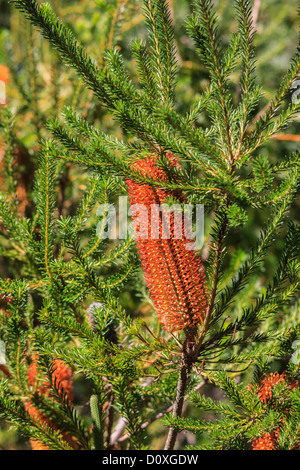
68,293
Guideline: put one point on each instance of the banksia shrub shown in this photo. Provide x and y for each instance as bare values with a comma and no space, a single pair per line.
181,119
174,274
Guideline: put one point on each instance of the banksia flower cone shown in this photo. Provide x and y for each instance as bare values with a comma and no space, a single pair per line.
173,273
265,392
266,389
62,376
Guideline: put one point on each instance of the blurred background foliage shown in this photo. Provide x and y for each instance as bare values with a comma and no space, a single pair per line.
40,86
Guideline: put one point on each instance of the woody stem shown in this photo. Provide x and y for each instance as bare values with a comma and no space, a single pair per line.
182,385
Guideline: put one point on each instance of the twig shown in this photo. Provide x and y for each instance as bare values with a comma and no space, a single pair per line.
147,423
255,12
162,413
118,431
109,418
182,385
288,137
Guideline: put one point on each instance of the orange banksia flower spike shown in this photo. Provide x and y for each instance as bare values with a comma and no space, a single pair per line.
174,274
62,376
267,441
265,392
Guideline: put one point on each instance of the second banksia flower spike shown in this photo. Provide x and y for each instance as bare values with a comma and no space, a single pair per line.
62,377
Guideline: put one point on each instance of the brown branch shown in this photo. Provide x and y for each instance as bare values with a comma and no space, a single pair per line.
288,137
5,371
255,12
109,417
261,114
178,405
183,381
159,415
118,431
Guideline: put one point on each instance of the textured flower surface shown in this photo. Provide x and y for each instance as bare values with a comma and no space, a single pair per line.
174,274
62,377
267,441
265,392
62,374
